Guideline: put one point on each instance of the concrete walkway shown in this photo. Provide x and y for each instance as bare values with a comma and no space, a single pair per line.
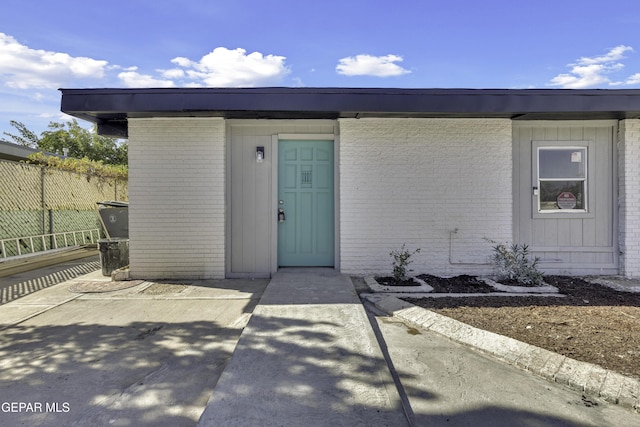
307,357
165,353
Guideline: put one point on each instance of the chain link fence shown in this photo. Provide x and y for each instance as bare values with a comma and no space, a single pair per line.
36,201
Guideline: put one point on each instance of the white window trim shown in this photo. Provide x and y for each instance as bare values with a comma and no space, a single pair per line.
588,180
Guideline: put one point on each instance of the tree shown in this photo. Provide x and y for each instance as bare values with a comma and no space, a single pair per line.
25,137
80,142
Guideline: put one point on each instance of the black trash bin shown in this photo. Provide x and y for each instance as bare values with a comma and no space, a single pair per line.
115,217
114,254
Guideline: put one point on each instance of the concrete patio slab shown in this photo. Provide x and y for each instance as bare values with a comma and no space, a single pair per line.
97,359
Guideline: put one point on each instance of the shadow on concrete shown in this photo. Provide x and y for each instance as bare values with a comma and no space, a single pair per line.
420,389
494,416
143,373
289,372
22,284
128,362
121,359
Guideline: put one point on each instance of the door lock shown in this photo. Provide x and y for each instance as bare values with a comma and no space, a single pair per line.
281,217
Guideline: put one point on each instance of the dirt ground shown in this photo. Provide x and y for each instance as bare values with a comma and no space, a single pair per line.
591,323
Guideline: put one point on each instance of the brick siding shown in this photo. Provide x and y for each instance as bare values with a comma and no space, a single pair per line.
177,198
629,196
443,185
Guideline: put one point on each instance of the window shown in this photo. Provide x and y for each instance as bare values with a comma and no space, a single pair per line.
562,179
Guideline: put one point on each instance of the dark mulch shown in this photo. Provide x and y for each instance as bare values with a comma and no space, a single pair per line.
391,281
449,285
456,285
576,291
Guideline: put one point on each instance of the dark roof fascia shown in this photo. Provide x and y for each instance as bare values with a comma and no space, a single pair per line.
114,106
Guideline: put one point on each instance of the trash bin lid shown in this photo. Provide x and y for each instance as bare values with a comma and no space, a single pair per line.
114,204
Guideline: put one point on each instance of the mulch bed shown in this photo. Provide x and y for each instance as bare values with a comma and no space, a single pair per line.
456,285
391,281
449,285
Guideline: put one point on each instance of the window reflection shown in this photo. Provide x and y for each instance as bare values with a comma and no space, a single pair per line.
562,178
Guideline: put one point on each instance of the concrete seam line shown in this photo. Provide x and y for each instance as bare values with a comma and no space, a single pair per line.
24,319
404,399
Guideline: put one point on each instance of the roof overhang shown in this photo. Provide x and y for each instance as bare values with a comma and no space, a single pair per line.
17,153
111,108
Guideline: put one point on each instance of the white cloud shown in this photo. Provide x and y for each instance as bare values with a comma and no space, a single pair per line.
368,65
56,116
594,71
224,67
634,79
583,77
135,80
614,54
182,62
115,67
23,68
175,73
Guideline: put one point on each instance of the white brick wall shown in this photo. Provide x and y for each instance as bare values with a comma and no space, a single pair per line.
177,197
418,180
629,196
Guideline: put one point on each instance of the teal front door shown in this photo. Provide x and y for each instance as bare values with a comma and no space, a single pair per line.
305,204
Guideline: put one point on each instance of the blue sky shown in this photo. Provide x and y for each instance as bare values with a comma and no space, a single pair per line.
48,44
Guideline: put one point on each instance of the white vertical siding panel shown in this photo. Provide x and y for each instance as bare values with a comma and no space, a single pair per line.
572,234
604,186
417,181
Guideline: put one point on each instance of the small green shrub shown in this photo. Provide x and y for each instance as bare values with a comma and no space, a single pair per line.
401,261
514,263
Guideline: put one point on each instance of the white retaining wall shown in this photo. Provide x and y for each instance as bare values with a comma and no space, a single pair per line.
177,197
442,185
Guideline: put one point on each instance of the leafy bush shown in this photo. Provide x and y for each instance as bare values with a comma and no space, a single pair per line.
514,263
84,166
401,261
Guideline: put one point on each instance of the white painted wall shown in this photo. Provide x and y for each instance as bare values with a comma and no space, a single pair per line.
419,180
443,185
629,197
177,197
